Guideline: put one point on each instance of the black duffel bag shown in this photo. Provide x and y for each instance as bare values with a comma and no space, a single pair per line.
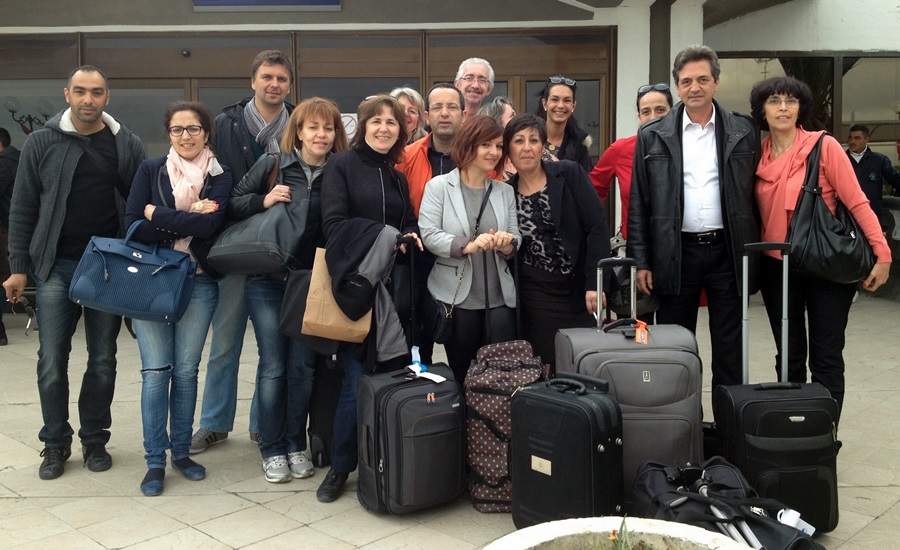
715,496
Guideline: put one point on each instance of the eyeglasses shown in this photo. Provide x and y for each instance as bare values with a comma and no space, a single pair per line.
178,131
481,79
562,80
412,111
28,310
777,101
438,107
661,87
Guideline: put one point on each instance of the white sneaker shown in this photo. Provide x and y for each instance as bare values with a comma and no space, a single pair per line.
276,468
300,464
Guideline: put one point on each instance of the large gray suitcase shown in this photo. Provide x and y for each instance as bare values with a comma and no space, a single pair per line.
657,384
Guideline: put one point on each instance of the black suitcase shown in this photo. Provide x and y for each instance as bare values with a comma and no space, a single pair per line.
412,440
566,451
782,435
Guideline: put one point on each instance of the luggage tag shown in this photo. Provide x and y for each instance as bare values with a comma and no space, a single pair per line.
419,370
641,335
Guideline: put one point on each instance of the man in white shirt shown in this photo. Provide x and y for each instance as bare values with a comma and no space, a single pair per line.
693,208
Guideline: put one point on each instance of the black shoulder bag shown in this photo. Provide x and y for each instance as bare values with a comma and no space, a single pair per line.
825,245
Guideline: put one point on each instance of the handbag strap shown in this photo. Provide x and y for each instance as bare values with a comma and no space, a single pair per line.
484,202
273,173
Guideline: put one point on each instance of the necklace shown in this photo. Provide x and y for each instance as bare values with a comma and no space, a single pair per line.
777,151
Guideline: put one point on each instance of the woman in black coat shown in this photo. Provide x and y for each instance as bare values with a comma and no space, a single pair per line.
564,234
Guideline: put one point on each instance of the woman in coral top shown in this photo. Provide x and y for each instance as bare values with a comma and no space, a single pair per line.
781,105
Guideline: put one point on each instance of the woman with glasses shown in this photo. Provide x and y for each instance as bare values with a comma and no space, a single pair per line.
468,221
565,140
362,183
653,101
564,235
284,376
180,201
782,106
414,106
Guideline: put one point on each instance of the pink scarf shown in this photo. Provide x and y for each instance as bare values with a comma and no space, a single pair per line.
187,178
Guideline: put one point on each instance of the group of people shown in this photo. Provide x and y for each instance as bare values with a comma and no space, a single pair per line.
503,210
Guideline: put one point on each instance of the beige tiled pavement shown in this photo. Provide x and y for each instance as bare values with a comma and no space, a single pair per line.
234,507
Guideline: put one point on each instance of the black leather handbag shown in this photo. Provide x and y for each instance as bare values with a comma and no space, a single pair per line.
265,242
826,245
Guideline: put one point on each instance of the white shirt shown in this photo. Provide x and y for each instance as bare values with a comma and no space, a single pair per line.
702,202
857,156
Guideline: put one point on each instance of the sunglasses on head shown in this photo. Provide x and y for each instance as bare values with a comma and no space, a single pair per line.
661,87
561,80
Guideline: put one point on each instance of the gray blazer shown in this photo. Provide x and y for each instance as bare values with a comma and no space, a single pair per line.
444,227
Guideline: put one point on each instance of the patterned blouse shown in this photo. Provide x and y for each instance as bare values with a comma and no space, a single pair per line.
541,246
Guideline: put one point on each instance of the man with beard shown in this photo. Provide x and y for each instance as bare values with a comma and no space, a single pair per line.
475,78
72,183
425,159
244,132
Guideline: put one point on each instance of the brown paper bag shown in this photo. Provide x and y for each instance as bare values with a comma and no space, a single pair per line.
323,316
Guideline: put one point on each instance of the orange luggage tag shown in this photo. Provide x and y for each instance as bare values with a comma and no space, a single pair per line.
641,335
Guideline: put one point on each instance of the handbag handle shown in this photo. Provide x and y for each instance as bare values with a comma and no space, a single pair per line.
563,385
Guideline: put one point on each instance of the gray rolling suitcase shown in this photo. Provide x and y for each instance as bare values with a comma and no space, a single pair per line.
657,384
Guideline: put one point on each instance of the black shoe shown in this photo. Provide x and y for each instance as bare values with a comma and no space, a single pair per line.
3,339
96,458
332,486
54,461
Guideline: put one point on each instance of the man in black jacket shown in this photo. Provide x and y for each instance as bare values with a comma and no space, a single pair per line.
872,169
692,209
244,132
9,161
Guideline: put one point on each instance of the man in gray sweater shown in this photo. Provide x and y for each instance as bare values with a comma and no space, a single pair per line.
72,183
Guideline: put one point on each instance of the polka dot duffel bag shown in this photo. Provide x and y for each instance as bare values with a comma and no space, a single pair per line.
496,373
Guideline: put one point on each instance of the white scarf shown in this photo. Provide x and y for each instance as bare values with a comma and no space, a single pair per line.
187,178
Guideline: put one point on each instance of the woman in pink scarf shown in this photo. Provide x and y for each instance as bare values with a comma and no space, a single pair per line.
180,201
780,105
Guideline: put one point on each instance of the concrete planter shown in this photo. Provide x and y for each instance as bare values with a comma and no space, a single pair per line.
593,533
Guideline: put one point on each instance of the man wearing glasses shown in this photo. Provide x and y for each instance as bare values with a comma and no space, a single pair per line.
475,78
72,183
693,209
425,159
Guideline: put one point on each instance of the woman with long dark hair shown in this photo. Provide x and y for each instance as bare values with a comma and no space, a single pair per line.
782,105
565,139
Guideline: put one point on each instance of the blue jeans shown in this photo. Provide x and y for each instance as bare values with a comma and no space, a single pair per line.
220,389
344,456
284,377
57,317
170,361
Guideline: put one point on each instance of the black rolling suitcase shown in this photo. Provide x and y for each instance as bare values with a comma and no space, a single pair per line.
657,384
782,435
566,451
412,440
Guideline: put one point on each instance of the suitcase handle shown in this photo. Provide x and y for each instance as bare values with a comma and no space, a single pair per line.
589,381
563,385
627,321
768,386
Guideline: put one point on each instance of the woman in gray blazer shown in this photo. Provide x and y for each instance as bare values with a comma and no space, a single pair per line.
468,221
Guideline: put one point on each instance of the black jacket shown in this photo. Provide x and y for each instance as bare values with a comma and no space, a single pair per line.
580,223
9,161
575,147
871,170
657,194
231,139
